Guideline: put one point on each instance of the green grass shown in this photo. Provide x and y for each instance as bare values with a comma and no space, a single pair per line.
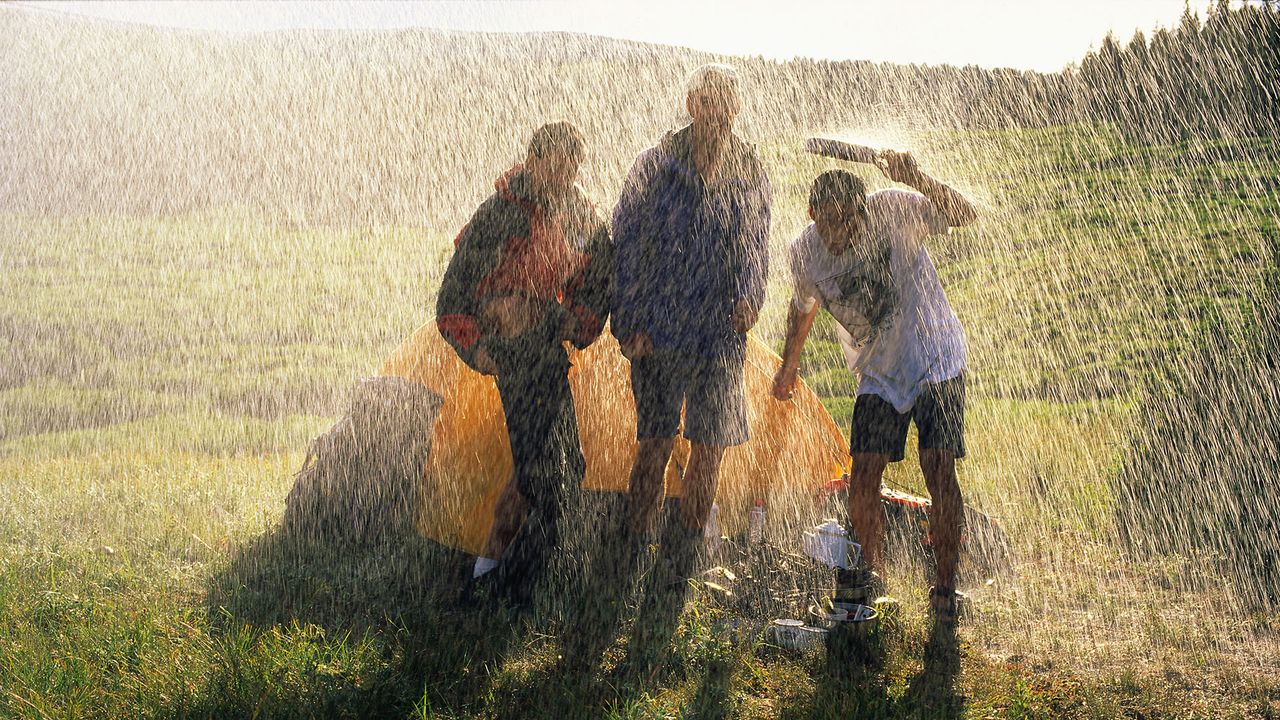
160,379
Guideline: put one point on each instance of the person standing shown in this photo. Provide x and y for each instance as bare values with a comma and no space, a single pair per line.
532,270
690,232
865,260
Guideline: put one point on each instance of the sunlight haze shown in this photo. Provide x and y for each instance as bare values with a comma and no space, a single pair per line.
1042,36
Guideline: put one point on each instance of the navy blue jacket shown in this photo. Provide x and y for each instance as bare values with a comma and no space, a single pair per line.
686,252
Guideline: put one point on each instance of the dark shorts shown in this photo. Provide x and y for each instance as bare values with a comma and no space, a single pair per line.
710,390
938,413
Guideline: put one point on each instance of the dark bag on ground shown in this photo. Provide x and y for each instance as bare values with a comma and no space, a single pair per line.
363,480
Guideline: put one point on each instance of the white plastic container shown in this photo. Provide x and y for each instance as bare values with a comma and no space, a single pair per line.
711,531
829,544
795,635
755,525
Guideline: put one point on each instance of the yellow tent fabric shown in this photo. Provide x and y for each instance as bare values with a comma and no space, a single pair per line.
794,447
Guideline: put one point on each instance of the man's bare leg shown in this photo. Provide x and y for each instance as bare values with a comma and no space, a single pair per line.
700,481
508,516
646,487
866,513
946,515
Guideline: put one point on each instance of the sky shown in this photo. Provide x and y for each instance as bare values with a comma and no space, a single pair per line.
1042,35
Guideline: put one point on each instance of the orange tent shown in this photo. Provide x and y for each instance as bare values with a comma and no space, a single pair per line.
794,447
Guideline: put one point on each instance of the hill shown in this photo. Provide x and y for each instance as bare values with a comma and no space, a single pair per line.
395,126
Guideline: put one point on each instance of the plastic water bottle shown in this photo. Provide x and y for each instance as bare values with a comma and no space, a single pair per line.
755,525
711,532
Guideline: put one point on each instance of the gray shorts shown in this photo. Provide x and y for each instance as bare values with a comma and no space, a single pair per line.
710,390
938,413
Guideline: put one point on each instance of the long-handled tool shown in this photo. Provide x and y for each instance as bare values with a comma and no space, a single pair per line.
841,150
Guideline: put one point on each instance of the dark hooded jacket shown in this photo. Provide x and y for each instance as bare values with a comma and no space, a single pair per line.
557,259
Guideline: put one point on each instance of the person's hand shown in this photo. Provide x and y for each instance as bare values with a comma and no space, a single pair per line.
744,316
898,166
511,315
569,328
483,363
784,383
636,346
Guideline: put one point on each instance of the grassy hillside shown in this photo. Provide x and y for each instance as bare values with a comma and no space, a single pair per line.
161,376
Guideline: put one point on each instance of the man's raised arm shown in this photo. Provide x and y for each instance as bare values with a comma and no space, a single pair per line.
901,167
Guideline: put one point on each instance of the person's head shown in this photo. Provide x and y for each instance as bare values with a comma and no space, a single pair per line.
838,206
555,152
712,98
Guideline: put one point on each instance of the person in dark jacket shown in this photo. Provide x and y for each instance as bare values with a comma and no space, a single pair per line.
532,270
690,232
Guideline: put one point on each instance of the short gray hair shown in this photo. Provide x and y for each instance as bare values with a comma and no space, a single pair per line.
710,73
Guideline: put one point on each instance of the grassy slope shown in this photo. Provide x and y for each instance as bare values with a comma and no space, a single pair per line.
162,377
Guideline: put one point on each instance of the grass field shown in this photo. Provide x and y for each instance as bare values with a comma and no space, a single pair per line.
160,379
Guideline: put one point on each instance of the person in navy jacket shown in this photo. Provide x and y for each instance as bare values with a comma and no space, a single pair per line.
690,235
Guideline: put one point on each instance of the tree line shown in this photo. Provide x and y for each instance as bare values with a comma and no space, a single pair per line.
1217,76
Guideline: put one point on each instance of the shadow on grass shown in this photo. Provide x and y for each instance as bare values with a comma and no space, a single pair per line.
311,628
713,699
545,692
932,693
854,683
345,610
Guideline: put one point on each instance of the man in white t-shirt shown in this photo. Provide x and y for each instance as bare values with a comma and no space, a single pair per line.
864,260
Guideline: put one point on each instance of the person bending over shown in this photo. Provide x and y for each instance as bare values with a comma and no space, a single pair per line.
864,259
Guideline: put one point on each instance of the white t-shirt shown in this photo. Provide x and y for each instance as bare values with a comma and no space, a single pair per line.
895,325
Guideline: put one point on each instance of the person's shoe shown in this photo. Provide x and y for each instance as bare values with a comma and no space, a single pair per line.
946,604
491,594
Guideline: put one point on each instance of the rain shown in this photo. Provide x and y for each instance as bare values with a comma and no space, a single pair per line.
242,475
